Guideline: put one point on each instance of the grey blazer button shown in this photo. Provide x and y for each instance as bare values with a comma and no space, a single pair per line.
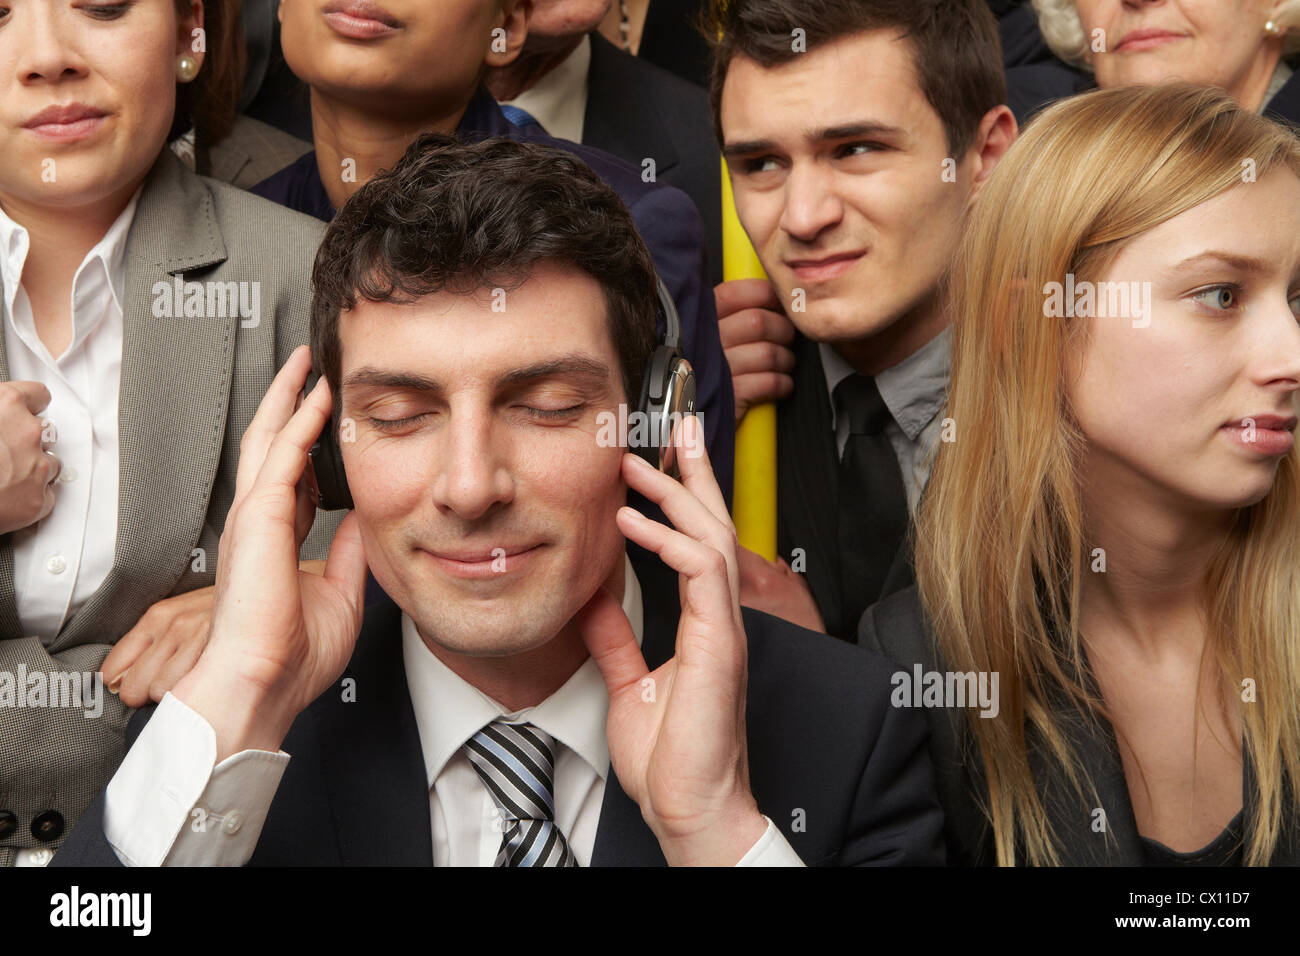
48,826
8,824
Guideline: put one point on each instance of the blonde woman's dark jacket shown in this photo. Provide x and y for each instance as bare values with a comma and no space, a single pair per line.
1090,833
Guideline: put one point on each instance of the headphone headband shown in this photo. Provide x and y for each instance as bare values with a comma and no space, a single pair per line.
672,324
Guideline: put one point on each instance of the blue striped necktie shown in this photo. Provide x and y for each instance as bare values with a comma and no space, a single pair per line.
516,762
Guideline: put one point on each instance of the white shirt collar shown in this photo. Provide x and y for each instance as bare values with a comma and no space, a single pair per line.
449,710
559,99
105,262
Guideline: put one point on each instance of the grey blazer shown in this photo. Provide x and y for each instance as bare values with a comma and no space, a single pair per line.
253,151
190,386
897,627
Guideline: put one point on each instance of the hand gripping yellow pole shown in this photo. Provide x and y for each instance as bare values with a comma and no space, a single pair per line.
753,506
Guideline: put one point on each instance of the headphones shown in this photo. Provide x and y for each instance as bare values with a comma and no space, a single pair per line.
667,394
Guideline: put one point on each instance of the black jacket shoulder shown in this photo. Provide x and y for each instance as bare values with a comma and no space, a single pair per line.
896,627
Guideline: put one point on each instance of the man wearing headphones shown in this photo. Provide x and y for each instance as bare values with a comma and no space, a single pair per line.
528,694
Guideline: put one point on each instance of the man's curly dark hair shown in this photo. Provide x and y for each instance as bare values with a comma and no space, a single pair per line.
459,217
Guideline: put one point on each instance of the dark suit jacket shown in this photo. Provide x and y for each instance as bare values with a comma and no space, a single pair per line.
1033,87
666,220
670,41
1284,107
635,111
896,627
807,490
842,773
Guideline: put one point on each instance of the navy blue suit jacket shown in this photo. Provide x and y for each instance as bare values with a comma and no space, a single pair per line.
841,772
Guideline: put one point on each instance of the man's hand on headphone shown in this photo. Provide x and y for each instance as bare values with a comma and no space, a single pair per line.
677,734
280,635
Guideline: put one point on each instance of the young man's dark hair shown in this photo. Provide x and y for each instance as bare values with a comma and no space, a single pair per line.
464,217
957,52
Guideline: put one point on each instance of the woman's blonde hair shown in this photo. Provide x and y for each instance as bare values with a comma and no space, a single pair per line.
1058,22
1000,536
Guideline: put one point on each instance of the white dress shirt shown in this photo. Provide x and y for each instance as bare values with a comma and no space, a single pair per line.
169,805
61,561
559,99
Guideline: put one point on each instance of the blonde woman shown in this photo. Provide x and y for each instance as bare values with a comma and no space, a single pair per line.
1241,46
1110,543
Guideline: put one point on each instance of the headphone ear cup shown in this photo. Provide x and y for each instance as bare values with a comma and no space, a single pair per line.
667,394
654,390
327,463
678,403
331,479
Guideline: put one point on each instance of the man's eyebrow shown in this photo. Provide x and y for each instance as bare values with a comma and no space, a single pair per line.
574,366
367,375
850,130
750,147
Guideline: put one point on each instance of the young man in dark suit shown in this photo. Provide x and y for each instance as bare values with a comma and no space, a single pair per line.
857,133
497,709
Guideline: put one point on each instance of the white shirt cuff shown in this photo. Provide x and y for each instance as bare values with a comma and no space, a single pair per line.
772,849
167,805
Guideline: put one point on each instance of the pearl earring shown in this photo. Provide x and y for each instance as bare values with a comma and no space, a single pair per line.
1272,29
187,68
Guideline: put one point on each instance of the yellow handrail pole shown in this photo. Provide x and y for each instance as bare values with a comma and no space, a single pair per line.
753,507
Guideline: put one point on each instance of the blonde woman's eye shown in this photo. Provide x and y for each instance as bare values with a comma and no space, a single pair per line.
1220,297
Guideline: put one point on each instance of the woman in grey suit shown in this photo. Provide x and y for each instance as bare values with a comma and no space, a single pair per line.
1108,554
145,311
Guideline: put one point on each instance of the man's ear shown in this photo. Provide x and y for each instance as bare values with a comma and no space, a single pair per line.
186,41
997,131
509,31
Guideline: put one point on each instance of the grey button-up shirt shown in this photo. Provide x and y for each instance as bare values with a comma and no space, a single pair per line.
914,391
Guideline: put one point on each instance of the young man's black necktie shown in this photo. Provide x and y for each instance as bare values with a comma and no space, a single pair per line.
872,501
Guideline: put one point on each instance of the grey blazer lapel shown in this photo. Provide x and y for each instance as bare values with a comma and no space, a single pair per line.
176,376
